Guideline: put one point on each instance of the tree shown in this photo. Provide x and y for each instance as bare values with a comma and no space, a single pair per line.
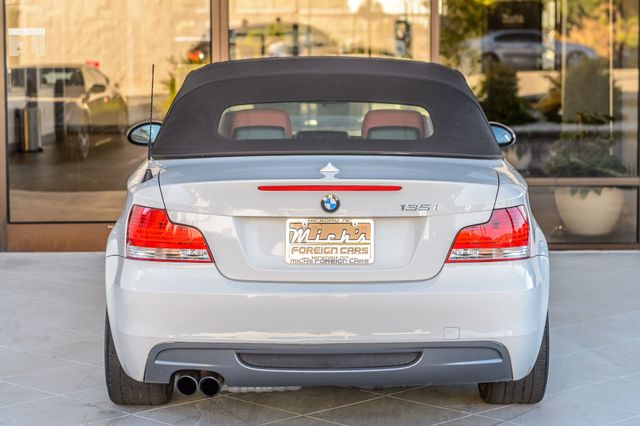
498,94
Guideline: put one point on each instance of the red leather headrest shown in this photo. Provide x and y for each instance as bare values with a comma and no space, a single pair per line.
261,117
392,118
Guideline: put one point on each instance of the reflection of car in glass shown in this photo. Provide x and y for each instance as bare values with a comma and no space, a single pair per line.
277,39
325,221
280,39
525,50
78,104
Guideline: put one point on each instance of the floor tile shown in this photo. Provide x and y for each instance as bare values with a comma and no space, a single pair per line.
462,397
391,390
40,337
89,350
476,420
13,327
63,292
307,400
126,420
13,394
14,362
585,368
98,396
52,319
593,334
84,319
389,411
216,411
592,308
632,421
87,268
618,393
62,380
55,411
23,307
561,411
302,421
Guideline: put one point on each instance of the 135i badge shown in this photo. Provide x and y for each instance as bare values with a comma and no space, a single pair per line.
425,207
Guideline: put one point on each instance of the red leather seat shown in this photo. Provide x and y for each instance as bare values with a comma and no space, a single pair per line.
393,124
258,124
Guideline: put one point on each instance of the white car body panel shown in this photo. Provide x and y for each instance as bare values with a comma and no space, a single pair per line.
246,228
409,295
153,303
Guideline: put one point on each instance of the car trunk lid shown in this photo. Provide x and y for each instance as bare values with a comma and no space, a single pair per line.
247,227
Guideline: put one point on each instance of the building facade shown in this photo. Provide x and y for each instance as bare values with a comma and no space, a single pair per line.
562,73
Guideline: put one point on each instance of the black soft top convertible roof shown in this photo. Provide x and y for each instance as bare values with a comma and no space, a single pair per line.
334,66
190,128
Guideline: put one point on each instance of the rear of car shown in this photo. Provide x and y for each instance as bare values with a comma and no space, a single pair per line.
326,222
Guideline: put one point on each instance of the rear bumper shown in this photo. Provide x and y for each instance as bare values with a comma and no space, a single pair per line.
158,309
307,365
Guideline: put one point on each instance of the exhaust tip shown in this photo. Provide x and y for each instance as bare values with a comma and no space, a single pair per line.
187,385
211,385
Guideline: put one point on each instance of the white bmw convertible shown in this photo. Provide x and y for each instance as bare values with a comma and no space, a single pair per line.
325,221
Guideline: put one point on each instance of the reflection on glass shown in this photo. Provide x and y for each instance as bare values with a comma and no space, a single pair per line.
504,136
556,76
144,133
586,214
78,75
564,76
382,28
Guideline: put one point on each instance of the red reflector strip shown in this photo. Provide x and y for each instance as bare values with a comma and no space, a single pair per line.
381,188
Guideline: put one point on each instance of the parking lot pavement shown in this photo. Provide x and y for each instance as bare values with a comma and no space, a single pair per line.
52,318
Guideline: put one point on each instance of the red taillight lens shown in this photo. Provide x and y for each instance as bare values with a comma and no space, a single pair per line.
152,236
504,237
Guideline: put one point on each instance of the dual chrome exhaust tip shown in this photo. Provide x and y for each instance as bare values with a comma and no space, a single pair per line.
209,384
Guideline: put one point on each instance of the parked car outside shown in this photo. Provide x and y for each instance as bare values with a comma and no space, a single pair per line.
325,221
78,103
526,50
275,39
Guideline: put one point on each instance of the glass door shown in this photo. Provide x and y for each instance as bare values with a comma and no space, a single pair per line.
564,75
77,76
376,28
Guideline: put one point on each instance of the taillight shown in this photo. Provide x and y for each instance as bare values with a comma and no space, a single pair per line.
152,236
504,237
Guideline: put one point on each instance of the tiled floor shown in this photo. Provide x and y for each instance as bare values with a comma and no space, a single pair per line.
51,323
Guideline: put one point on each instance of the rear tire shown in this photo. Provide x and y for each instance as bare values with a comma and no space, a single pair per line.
123,126
122,389
528,390
79,143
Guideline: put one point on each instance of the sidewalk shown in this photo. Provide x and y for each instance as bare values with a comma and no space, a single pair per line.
52,318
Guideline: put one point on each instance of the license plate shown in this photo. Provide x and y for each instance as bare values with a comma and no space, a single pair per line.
327,241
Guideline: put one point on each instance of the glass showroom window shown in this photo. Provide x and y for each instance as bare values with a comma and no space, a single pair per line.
77,75
564,75
383,28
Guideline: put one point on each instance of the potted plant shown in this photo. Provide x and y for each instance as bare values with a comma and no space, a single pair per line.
587,152
585,147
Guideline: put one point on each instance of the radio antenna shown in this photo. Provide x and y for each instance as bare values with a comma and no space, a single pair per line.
148,174
153,75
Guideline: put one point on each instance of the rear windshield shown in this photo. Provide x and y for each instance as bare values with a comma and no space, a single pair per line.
325,120
315,113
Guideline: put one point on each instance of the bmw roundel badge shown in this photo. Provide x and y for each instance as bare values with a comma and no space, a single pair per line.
330,203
